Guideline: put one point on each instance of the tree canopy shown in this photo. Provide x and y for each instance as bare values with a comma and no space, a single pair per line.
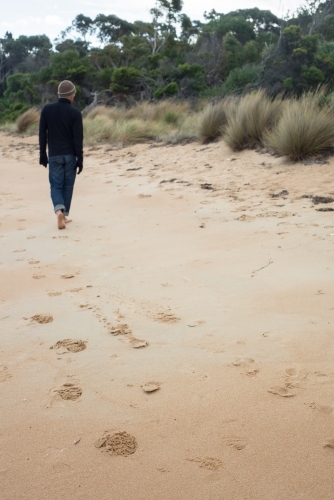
171,56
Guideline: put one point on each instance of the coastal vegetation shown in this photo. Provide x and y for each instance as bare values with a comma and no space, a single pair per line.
246,77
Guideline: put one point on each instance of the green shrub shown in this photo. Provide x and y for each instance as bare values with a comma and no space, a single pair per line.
169,91
171,117
239,78
125,80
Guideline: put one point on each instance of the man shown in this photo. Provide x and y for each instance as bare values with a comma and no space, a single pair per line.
60,128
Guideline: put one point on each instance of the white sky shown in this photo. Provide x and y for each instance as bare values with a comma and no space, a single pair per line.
35,17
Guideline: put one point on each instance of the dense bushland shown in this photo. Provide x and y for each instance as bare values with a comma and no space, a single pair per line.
118,63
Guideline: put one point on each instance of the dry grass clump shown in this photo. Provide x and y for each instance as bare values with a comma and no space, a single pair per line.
8,127
146,111
101,128
213,120
184,133
132,132
145,121
27,120
304,130
106,112
98,128
250,119
157,112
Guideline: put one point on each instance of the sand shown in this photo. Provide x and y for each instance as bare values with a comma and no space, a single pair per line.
191,270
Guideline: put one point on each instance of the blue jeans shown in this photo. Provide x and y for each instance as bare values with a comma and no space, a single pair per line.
62,173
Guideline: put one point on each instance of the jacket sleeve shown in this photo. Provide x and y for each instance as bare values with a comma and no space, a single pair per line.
43,139
78,136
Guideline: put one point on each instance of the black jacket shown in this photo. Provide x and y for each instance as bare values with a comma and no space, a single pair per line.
61,128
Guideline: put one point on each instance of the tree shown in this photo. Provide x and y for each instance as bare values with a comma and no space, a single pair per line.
83,25
165,17
109,29
319,11
294,67
69,65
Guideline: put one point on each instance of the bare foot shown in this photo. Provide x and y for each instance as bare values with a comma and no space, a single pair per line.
67,220
61,220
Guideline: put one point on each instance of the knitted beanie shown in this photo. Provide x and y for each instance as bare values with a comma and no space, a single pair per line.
66,89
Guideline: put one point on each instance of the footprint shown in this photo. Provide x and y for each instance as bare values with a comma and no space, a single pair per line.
62,468
248,365
4,374
329,444
317,379
320,379
236,442
120,443
67,276
54,294
71,345
19,250
38,276
281,391
69,392
294,377
33,262
166,317
246,218
326,409
207,462
42,319
151,386
137,343
123,329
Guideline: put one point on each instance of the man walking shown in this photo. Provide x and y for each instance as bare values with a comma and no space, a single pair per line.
60,128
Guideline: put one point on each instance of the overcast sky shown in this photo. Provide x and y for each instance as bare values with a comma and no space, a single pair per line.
34,17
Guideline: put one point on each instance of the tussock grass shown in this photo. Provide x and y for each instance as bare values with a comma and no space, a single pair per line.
132,132
156,112
143,111
27,120
304,130
253,116
8,127
185,133
120,132
171,117
293,128
164,121
97,129
213,120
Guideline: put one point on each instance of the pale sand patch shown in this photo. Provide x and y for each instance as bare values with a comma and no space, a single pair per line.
256,269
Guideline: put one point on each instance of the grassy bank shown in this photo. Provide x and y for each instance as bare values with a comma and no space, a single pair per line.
293,128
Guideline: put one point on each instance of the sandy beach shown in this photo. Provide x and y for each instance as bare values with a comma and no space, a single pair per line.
194,289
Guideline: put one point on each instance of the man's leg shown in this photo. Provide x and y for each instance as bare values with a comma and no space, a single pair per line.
70,175
56,178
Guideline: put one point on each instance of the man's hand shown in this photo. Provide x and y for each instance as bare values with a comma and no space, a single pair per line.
43,160
79,166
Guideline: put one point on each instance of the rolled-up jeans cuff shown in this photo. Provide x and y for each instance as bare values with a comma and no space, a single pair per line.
65,213
59,207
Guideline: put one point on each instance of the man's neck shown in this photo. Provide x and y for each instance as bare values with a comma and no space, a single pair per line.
64,100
